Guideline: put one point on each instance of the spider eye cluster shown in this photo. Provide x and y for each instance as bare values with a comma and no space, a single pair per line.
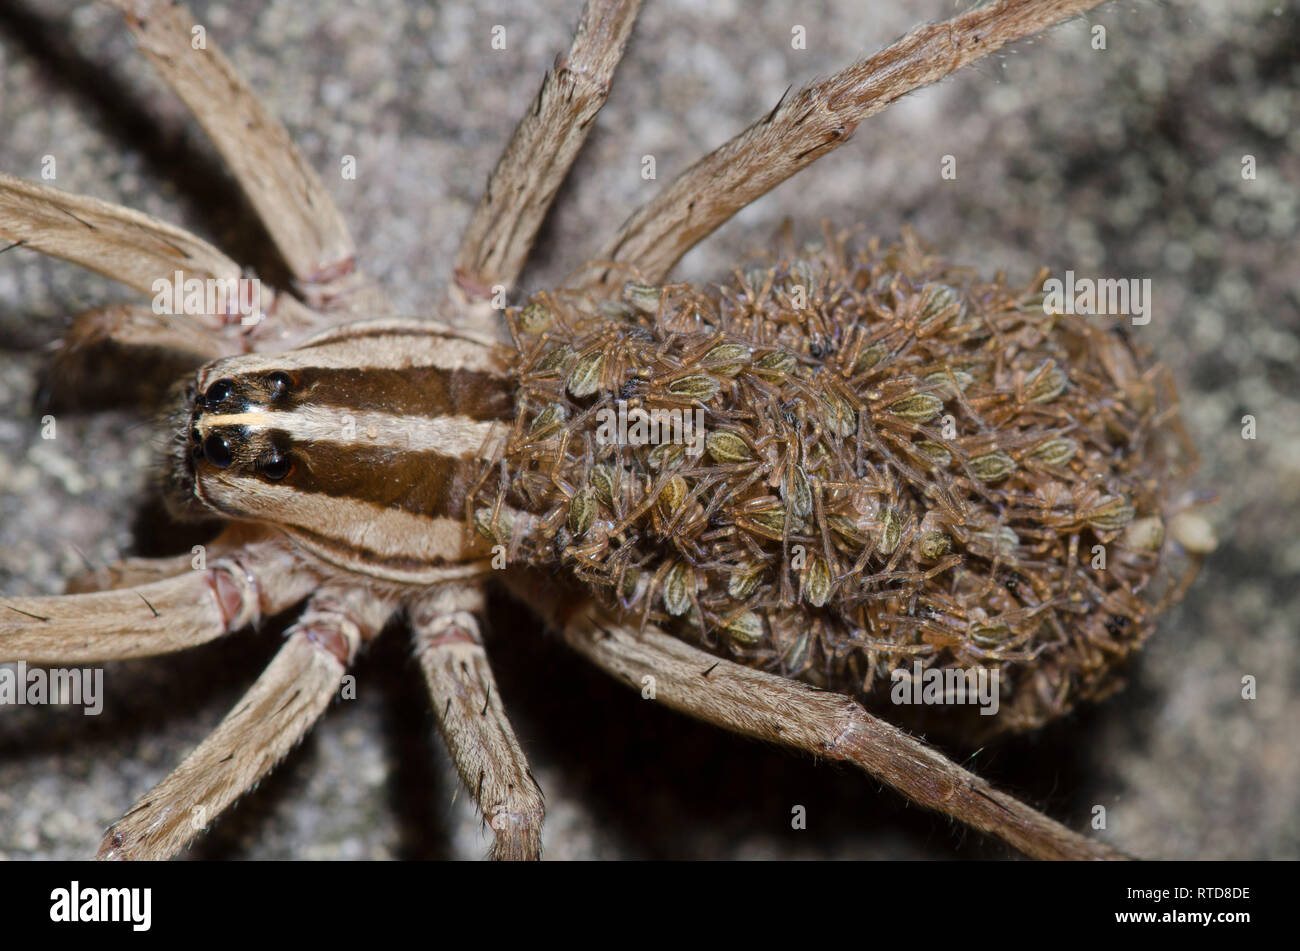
222,447
215,448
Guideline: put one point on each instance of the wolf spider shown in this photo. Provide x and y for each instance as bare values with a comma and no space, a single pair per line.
154,606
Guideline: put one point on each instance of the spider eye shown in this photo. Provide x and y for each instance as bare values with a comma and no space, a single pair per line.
279,383
217,451
218,391
275,466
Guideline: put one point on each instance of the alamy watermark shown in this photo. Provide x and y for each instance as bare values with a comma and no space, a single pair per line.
1099,297
940,686
56,686
642,427
196,297
132,906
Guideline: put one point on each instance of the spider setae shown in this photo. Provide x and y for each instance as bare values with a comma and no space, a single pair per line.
376,469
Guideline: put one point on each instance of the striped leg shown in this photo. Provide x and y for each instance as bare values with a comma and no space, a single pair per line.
802,129
794,714
269,721
288,196
544,145
157,618
473,721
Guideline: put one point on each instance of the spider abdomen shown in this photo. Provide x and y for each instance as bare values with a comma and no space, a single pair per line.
846,465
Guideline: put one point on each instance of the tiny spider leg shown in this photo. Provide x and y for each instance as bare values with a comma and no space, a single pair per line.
473,720
543,147
176,613
289,197
803,128
278,710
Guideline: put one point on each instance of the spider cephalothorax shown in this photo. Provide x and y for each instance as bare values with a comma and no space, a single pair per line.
893,462
361,444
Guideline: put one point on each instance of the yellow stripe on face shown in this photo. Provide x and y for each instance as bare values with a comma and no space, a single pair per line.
454,436
253,420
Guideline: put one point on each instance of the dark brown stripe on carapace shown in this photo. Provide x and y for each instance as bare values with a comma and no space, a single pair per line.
414,391
422,483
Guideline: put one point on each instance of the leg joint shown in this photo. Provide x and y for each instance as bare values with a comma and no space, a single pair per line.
336,627
457,627
237,591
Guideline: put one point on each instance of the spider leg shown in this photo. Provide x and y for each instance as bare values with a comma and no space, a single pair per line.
176,613
473,720
803,128
86,365
543,147
287,194
134,325
128,246
268,721
128,573
135,572
778,710
138,250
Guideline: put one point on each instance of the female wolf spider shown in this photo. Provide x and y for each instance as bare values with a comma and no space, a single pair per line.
355,457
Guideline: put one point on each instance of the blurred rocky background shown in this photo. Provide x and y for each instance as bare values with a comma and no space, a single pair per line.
1121,162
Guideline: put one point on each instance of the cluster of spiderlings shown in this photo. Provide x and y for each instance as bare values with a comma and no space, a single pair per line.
901,463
